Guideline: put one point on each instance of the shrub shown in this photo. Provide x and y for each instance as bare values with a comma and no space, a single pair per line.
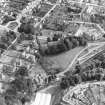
26,28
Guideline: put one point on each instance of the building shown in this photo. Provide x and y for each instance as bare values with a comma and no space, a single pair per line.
42,99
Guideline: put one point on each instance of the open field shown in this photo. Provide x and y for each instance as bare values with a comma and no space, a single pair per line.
64,59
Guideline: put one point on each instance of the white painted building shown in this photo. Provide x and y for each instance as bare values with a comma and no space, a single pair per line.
42,99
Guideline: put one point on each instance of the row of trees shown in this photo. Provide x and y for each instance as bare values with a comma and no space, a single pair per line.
96,18
93,70
64,44
69,81
97,62
95,74
76,10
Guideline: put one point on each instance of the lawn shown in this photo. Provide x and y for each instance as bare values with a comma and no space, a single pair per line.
64,59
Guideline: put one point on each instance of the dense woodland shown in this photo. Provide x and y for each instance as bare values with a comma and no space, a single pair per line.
59,44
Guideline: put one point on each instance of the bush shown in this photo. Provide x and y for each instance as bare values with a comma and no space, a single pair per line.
75,79
22,71
26,28
68,44
83,77
64,83
55,38
87,37
11,35
103,64
5,40
61,46
3,45
78,69
97,77
82,41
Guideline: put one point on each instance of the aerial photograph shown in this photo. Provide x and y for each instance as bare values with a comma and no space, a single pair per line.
52,52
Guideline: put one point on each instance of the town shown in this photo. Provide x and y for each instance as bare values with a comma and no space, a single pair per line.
52,52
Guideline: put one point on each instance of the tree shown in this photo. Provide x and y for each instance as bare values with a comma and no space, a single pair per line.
23,101
5,40
61,47
58,104
91,65
103,64
11,35
97,63
22,71
68,43
55,37
75,42
19,86
7,70
103,78
104,35
27,28
22,85
83,77
76,79
100,57
3,46
82,41
64,83
78,69
10,96
86,37
98,77
71,81
69,9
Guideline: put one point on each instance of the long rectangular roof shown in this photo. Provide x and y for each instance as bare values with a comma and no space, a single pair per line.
42,99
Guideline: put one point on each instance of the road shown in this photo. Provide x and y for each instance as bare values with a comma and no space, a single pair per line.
60,75
47,14
93,53
28,8
81,22
103,31
91,4
90,51
71,64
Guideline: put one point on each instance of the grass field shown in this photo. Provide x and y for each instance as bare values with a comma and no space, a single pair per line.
64,59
